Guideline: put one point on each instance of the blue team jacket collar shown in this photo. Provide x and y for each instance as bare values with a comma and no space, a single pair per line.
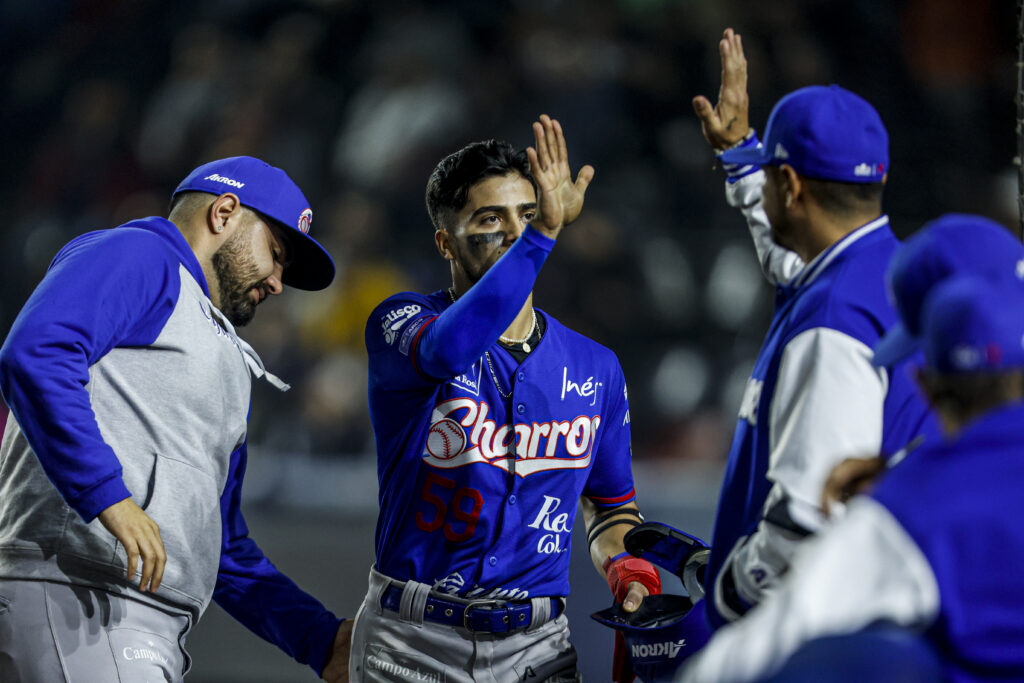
820,262
170,232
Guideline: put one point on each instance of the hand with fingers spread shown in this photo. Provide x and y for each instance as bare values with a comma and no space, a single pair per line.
559,200
140,537
727,122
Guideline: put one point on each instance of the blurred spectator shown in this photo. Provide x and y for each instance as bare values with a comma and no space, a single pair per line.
106,104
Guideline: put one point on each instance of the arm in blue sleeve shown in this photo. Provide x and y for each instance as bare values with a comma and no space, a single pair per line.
451,342
253,591
610,482
101,291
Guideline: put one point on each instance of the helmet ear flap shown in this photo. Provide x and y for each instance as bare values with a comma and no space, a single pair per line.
681,553
694,573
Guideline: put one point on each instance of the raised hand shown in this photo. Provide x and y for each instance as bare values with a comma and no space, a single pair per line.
727,122
140,537
560,199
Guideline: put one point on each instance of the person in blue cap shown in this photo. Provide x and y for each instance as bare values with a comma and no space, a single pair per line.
122,462
812,197
953,244
935,549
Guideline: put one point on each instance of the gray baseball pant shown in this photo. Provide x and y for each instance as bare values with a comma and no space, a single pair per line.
389,646
54,632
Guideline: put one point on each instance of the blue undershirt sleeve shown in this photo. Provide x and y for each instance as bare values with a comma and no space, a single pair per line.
253,591
102,290
455,339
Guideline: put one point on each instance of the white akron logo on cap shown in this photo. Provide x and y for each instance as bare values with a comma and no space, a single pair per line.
305,220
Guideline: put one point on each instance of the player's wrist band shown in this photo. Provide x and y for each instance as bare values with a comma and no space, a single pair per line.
600,524
745,141
734,172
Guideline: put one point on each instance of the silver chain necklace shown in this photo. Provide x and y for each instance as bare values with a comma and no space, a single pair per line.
494,376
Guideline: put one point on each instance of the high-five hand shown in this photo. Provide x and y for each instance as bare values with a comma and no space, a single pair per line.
727,122
560,199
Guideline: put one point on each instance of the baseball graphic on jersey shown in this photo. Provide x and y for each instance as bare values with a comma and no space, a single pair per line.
445,439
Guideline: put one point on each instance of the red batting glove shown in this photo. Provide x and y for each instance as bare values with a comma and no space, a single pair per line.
621,571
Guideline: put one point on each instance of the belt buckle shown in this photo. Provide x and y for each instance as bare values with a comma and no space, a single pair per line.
478,603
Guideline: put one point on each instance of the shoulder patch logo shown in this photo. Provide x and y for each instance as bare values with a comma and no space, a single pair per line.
395,319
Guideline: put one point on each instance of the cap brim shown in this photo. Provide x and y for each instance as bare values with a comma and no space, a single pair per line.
897,344
757,156
311,267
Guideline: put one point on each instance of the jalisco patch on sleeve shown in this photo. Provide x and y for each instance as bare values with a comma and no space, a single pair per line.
393,321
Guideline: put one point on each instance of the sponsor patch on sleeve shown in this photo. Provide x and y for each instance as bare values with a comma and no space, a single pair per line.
393,321
410,333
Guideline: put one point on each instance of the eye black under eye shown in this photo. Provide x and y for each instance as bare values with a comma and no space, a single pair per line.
485,238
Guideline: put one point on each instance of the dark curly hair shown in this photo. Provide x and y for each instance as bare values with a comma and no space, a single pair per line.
448,186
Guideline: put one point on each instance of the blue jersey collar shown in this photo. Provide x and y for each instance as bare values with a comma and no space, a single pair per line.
820,262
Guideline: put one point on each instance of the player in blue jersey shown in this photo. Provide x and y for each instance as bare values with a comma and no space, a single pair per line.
493,421
936,547
122,462
811,195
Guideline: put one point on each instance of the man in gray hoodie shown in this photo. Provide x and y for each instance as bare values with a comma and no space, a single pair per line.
122,462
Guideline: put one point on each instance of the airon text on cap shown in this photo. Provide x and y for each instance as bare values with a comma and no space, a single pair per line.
217,178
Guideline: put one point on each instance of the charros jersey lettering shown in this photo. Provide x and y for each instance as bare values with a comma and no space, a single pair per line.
484,440
480,472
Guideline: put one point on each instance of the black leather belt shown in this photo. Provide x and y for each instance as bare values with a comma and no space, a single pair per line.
481,616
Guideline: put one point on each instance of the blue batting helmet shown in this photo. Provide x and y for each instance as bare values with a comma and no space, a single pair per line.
666,629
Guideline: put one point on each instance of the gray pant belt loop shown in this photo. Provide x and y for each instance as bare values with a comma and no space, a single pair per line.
377,584
541,612
414,600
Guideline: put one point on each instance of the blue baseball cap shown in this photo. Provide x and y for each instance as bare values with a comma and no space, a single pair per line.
973,325
268,190
823,132
953,244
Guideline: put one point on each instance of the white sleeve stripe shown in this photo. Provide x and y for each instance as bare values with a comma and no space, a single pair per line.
827,406
780,265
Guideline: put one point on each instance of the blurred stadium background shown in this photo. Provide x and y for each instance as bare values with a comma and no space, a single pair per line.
106,105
